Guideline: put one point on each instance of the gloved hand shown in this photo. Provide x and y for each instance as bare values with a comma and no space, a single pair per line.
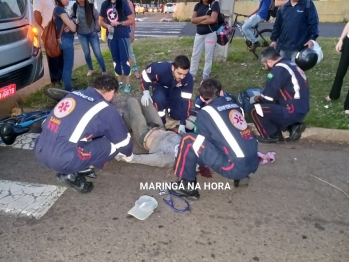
145,98
181,129
128,158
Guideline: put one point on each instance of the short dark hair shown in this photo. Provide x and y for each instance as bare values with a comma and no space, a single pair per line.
209,89
269,53
106,83
181,62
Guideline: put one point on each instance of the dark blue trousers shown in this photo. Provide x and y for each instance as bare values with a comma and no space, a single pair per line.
213,157
168,99
276,118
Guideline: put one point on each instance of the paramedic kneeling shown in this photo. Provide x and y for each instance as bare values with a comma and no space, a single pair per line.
83,131
284,101
222,141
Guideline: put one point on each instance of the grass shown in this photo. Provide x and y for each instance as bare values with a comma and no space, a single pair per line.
241,71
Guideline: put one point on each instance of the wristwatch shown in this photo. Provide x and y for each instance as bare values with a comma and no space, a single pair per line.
121,23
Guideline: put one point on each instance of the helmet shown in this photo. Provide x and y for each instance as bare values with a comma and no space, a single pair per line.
306,59
309,57
9,132
190,121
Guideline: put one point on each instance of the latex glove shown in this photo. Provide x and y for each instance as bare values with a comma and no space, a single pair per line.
128,158
145,98
181,129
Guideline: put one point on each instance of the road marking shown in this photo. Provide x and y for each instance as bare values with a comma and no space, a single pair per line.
26,199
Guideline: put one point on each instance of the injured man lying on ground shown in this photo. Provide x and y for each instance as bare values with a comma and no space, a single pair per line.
149,132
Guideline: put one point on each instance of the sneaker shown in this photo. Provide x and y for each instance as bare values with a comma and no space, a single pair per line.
121,85
296,131
254,46
181,188
127,89
90,72
328,99
76,181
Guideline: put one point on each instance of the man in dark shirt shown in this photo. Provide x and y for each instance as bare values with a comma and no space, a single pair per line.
172,86
295,26
284,101
83,131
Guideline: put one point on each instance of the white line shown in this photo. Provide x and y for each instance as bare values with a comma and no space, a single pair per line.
138,35
159,31
26,199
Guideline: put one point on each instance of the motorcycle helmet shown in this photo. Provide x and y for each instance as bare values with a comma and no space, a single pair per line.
306,59
9,132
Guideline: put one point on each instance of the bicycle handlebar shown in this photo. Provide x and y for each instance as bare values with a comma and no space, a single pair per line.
240,15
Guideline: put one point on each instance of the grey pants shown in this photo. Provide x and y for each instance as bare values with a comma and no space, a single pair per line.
140,118
201,43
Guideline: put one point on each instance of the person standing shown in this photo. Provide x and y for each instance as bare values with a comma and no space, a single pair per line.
296,24
342,47
205,17
116,16
66,42
133,60
86,17
259,15
43,11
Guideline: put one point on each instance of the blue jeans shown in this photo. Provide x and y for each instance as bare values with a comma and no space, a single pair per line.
67,47
290,55
248,24
93,40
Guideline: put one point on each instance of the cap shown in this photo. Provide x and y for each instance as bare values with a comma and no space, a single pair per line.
143,207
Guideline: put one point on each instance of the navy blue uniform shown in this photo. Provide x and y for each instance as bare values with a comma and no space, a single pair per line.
82,130
295,25
200,104
285,99
223,142
168,94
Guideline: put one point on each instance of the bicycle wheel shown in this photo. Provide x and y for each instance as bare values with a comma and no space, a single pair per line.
263,37
55,93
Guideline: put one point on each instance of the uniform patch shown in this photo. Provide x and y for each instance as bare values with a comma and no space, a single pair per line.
237,120
270,75
112,15
64,107
149,70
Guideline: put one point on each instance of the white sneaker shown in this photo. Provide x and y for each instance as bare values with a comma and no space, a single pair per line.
328,99
90,72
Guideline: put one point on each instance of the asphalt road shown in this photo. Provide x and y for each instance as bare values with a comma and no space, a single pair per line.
284,215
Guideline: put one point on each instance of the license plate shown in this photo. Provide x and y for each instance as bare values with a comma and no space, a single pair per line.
7,91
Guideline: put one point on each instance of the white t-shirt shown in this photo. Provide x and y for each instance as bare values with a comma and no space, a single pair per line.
45,7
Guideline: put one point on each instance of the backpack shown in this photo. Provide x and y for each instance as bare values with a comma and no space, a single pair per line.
50,38
243,98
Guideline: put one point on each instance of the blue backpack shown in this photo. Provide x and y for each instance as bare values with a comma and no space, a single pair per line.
243,98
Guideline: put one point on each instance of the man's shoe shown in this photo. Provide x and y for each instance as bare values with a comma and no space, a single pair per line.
185,188
76,181
254,46
274,138
296,131
89,172
242,182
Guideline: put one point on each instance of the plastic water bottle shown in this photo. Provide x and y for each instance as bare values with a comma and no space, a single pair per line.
111,33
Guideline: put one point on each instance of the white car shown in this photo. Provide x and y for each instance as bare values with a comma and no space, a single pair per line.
169,8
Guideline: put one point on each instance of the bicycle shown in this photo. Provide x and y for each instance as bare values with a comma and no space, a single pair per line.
12,127
263,35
